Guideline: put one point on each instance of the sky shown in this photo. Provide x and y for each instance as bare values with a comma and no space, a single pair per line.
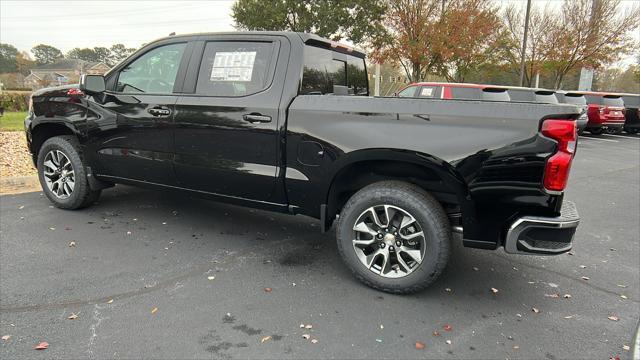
90,23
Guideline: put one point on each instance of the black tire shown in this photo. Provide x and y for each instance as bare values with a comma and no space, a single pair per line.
631,130
596,131
431,218
82,195
614,131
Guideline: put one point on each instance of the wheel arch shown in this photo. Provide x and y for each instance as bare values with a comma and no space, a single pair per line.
40,132
364,167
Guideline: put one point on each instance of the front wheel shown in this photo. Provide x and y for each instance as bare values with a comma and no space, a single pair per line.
62,174
394,237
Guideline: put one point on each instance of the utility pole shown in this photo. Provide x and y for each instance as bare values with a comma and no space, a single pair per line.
376,89
524,42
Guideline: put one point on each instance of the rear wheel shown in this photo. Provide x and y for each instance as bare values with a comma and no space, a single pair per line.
62,174
631,130
596,131
614,131
394,237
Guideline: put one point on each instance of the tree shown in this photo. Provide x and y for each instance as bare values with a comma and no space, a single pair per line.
435,37
592,34
618,80
8,58
117,53
24,63
46,54
85,54
354,20
101,54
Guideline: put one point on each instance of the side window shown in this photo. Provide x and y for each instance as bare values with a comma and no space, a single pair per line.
235,68
428,92
408,92
324,74
467,93
154,72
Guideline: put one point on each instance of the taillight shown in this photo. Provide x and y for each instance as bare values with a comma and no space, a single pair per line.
601,109
556,172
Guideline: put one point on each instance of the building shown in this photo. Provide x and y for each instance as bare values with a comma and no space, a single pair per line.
66,71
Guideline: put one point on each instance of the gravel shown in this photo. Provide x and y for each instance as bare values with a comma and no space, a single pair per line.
15,159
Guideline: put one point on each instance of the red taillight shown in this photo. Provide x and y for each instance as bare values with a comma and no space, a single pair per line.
601,110
556,172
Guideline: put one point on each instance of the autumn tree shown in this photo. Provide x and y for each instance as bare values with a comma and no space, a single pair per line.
46,54
435,37
24,63
117,53
591,33
354,20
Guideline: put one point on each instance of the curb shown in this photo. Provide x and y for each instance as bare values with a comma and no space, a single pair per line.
19,184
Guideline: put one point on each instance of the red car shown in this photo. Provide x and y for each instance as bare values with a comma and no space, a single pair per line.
465,91
605,111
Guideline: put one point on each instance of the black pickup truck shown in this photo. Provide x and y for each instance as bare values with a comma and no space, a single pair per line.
284,122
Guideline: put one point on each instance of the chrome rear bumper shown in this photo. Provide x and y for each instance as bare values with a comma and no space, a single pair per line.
535,235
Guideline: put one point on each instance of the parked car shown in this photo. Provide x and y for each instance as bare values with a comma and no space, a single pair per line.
568,97
605,112
283,122
461,91
632,113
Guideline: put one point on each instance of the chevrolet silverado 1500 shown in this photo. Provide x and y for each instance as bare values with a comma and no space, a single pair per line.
284,122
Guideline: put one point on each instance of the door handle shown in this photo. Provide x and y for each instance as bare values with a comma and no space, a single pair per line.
159,111
256,118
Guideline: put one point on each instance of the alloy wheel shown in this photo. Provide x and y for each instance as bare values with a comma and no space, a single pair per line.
389,241
58,173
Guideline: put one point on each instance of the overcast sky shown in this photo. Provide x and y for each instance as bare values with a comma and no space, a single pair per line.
75,23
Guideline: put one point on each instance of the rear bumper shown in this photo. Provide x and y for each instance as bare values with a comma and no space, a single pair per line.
537,235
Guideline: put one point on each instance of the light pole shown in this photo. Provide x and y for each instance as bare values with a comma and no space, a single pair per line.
524,42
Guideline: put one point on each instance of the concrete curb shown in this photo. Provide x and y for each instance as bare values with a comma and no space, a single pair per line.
19,184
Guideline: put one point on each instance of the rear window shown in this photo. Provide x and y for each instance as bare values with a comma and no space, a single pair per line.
495,94
575,99
611,100
330,72
631,101
467,93
408,92
593,99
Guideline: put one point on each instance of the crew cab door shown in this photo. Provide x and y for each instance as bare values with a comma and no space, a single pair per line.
228,119
134,138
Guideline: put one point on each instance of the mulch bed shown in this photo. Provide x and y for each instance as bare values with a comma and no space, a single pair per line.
15,159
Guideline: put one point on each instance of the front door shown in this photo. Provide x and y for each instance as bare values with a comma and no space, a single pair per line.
135,135
227,123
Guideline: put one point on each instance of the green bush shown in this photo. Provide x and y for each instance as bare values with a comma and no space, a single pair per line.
14,100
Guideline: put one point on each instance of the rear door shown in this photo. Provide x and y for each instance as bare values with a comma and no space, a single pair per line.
228,118
135,137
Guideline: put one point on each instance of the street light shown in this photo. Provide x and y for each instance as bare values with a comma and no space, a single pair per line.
524,42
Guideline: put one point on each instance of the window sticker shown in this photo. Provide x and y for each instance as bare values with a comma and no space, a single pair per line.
426,92
233,66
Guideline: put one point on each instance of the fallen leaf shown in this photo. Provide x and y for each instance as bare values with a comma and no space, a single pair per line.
552,295
622,286
519,315
447,289
436,333
301,326
625,347
72,244
267,289
569,317
6,337
381,326
516,347
586,278
379,340
110,301
494,290
571,253
308,326
475,268
73,316
306,336
67,228
623,296
553,285
154,310
43,345
52,228
265,339
448,342
21,207
164,223
583,267
211,277
447,327
314,341
613,249
128,232
567,296
613,318
419,345
535,310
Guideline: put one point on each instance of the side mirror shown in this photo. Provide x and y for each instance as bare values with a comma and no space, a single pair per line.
92,84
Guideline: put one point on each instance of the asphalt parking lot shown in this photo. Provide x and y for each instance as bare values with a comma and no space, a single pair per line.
157,275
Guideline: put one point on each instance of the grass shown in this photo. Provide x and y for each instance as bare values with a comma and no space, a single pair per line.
12,121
